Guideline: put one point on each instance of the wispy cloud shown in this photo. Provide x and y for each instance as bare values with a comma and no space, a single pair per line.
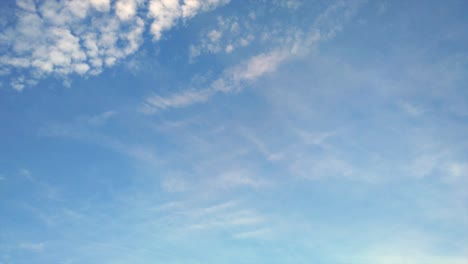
155,103
35,247
231,81
194,216
317,167
25,173
326,26
261,233
241,178
174,184
86,128
411,109
227,216
442,163
101,118
262,147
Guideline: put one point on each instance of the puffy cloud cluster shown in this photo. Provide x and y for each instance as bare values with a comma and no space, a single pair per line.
82,37
70,37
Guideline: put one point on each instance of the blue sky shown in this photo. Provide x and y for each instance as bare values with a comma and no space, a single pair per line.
217,131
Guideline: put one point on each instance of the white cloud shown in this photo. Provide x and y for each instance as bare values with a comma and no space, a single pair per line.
424,165
101,5
53,40
314,138
326,26
165,13
411,109
310,167
228,35
82,37
457,170
174,184
261,233
27,5
453,171
229,216
250,70
85,128
101,118
259,65
214,35
25,173
240,178
412,251
125,9
415,258
35,247
156,103
229,48
292,4
262,147
191,7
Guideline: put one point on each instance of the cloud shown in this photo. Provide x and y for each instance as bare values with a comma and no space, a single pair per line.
240,178
311,167
126,9
258,66
191,7
332,20
314,138
412,251
254,234
411,109
156,102
415,259
261,147
54,39
35,247
325,27
87,128
175,184
25,173
231,81
101,5
165,13
82,37
229,34
442,161
228,216
101,118
457,170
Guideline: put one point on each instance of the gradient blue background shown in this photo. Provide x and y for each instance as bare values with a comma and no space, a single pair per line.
332,132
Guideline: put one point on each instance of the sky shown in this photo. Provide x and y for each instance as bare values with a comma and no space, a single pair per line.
227,131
